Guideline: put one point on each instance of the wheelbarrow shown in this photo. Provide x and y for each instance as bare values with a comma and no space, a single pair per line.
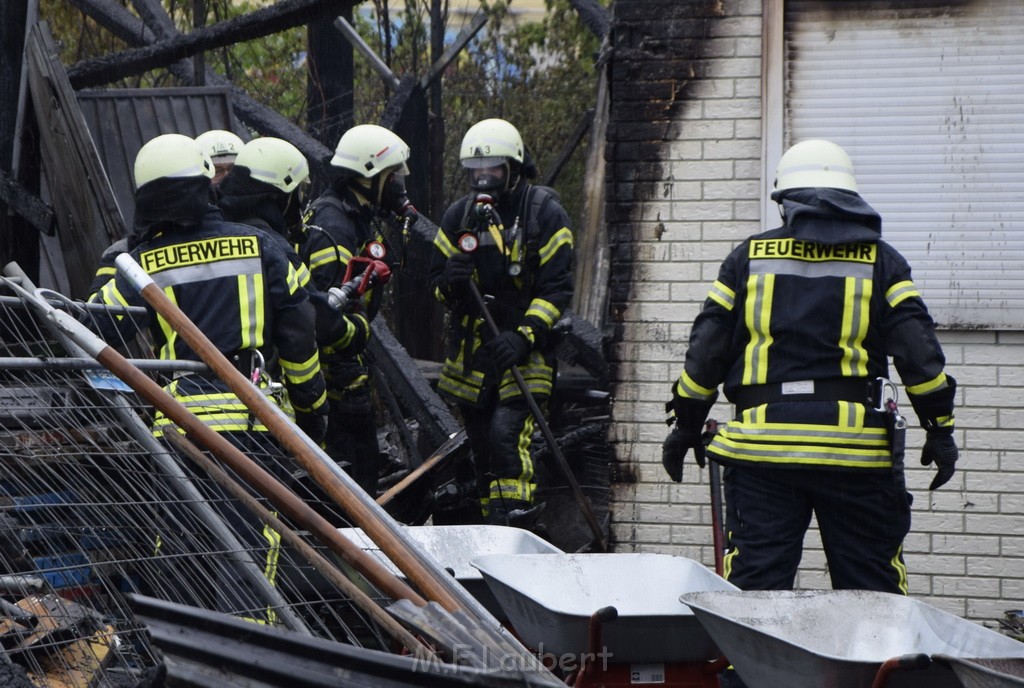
453,546
842,638
550,599
985,673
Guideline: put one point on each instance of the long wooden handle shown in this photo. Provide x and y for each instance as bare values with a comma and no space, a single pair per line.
538,417
257,478
397,551
290,537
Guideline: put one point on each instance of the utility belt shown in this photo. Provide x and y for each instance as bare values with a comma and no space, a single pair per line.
860,390
247,362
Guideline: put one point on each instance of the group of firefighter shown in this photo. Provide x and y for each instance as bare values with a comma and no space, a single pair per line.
798,329
278,280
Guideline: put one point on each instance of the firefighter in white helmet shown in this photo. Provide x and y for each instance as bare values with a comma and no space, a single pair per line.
222,146
344,238
799,328
512,238
209,267
264,189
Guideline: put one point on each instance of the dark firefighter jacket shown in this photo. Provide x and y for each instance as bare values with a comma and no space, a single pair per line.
251,202
534,236
339,228
816,304
237,285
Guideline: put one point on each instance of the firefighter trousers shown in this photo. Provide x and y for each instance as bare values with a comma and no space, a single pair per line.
500,434
862,515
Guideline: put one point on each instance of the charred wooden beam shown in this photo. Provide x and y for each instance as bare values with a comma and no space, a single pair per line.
395,106
452,51
263,22
88,218
26,204
593,16
258,116
410,386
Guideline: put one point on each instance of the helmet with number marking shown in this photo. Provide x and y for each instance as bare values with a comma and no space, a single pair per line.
492,152
220,145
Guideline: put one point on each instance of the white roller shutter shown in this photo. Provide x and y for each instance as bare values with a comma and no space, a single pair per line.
928,99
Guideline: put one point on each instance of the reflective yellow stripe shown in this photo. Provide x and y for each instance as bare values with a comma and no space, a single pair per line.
758,316
302,274
688,388
900,292
727,559
111,295
803,432
303,371
562,237
937,382
544,311
851,415
292,279
167,352
721,294
320,400
901,568
510,488
273,553
816,452
443,245
326,256
856,304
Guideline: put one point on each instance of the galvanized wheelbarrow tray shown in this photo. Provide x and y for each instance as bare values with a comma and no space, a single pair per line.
840,638
453,547
986,673
549,600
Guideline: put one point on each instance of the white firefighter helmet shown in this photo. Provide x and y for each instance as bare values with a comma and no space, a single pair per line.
489,143
275,162
171,156
368,150
815,163
220,145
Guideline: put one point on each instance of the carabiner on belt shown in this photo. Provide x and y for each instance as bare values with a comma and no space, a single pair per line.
887,403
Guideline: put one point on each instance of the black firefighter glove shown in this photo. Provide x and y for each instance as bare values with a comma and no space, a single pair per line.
504,351
940,447
687,434
458,270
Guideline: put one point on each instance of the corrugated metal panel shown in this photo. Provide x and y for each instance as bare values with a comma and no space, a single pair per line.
121,120
928,98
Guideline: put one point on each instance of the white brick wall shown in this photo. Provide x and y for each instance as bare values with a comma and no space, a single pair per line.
965,553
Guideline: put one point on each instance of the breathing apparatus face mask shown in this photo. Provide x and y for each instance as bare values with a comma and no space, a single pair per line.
393,196
487,175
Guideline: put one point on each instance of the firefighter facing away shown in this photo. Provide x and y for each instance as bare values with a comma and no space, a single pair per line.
367,186
238,287
799,326
512,239
222,147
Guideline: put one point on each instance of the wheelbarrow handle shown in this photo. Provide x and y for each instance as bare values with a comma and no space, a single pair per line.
915,662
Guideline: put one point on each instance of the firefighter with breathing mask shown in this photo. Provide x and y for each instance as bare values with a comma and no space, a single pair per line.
344,229
512,239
